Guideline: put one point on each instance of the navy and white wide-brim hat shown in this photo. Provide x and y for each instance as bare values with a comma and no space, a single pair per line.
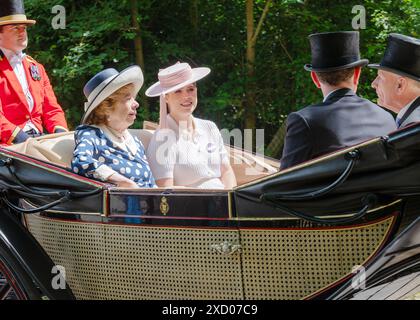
106,82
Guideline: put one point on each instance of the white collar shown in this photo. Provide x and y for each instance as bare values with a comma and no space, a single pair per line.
326,97
124,141
404,110
173,125
12,56
401,113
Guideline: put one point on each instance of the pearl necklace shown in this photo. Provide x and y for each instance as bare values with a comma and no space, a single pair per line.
118,135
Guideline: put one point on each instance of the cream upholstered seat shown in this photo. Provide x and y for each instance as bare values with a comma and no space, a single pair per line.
143,135
58,149
248,167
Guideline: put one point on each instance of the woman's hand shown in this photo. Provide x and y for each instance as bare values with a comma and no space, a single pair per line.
228,176
127,184
165,183
121,181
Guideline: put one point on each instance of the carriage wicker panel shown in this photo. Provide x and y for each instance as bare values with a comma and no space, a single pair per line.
135,262
292,264
126,262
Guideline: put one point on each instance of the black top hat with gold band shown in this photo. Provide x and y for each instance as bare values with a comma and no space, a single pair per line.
402,56
13,12
332,51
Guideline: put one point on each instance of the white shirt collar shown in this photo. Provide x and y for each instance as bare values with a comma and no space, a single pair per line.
327,96
127,143
13,57
404,110
173,125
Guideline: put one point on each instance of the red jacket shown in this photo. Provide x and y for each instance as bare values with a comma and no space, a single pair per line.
14,109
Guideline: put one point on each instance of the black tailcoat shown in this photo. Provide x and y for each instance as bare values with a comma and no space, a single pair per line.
342,120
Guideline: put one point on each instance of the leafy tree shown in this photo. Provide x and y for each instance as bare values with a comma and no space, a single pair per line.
106,33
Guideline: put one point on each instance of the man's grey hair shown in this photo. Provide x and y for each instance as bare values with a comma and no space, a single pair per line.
414,83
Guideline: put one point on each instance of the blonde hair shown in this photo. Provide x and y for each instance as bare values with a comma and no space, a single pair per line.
100,114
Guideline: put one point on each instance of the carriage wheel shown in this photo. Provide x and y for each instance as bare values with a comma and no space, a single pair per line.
9,288
15,282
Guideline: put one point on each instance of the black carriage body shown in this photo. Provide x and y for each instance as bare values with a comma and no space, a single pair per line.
294,234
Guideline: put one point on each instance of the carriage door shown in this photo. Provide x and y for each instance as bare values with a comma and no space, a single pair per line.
174,244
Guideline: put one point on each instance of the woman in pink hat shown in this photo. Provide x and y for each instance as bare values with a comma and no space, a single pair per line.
186,151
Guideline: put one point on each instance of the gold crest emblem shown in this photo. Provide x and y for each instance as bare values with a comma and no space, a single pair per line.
164,206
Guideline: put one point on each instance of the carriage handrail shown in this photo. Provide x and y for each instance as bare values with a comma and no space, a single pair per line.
65,195
369,201
74,194
351,156
34,210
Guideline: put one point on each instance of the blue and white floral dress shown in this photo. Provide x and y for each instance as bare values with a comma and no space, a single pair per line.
97,156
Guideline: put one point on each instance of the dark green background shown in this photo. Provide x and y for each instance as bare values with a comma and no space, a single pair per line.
98,34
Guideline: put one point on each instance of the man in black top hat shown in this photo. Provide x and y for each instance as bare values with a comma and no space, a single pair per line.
27,100
342,119
398,82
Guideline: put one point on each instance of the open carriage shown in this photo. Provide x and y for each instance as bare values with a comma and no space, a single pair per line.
293,234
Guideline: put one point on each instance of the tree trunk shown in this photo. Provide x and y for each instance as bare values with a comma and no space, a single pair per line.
250,104
250,111
138,50
194,18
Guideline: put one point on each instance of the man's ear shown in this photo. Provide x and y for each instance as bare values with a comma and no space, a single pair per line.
357,73
401,85
315,79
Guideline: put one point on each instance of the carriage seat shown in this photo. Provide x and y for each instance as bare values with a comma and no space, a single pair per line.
58,148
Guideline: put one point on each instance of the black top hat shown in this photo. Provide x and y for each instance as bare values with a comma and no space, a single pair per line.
332,51
13,12
402,56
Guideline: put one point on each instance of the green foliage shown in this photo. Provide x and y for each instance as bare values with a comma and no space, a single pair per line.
209,33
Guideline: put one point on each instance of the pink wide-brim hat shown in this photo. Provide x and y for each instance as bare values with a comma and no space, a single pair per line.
171,79
176,77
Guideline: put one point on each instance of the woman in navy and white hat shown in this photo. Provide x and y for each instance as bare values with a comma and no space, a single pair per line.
105,149
186,151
